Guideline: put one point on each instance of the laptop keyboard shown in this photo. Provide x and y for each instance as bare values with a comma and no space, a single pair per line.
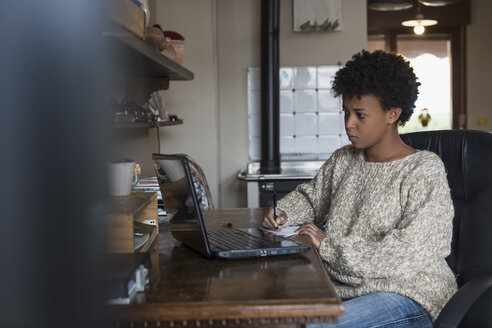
237,239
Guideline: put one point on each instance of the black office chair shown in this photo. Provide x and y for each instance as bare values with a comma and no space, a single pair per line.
467,156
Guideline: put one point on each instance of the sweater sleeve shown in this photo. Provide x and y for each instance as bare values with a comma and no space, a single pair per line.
309,201
422,237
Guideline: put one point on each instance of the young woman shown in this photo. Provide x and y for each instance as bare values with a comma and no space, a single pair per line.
385,207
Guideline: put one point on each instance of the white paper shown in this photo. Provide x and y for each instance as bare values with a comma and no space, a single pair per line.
284,231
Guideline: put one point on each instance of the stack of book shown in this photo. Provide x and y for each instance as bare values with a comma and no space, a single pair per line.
148,185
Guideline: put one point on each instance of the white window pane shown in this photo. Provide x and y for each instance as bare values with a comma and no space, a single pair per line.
431,62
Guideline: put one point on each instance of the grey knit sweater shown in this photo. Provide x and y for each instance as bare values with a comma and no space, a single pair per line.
388,225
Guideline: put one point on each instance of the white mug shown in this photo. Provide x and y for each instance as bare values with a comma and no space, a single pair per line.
122,177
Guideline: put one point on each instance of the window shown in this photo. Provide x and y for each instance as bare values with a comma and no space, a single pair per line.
431,61
385,32
439,62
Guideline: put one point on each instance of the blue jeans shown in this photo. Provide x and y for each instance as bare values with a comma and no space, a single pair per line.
381,310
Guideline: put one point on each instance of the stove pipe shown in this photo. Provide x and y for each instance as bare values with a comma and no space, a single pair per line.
270,129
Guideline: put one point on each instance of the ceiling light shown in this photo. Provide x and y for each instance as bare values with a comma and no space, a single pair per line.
419,29
437,3
389,5
419,22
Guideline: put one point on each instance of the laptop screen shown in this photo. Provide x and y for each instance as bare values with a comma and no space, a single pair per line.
181,203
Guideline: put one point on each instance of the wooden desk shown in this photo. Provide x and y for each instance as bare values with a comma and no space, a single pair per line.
188,290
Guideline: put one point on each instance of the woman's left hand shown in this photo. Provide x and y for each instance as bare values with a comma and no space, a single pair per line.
313,232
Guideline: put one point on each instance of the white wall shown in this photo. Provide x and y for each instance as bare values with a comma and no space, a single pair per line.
194,101
479,67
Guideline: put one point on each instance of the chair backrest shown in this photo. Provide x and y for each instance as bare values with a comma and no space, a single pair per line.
467,156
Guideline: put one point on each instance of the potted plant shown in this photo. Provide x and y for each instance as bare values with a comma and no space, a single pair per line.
424,117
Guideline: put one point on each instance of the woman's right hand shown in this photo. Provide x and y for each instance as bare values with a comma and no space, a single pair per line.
270,222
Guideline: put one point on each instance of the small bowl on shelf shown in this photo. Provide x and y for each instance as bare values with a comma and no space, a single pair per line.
178,46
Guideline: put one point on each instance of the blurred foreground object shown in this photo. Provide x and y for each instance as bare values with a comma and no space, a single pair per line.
53,140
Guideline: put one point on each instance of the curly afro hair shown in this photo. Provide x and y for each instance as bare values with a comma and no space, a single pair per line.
387,76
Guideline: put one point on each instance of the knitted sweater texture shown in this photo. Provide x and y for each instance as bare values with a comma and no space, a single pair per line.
388,225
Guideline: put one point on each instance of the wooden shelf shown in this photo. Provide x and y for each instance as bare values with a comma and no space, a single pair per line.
169,123
125,211
135,57
140,125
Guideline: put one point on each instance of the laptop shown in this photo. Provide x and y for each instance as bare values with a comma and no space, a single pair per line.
184,193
